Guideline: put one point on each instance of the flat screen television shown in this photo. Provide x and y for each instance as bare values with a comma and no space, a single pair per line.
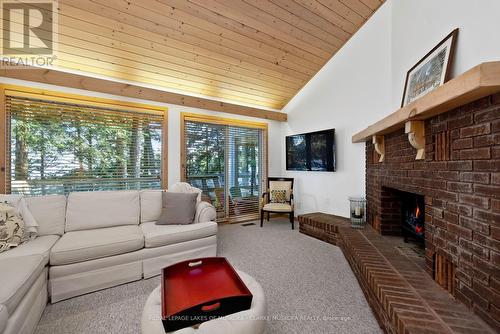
313,151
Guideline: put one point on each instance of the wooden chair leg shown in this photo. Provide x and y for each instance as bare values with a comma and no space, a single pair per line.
292,219
261,217
268,216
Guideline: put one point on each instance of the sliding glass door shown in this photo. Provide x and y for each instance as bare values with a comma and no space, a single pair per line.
227,161
244,163
205,165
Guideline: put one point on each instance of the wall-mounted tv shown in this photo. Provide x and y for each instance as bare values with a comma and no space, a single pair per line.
313,151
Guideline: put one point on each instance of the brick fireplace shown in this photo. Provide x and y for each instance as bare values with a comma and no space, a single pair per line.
459,181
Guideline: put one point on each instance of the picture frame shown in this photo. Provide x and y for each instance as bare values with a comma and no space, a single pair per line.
431,71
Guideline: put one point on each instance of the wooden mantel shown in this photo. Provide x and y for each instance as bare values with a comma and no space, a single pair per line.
480,81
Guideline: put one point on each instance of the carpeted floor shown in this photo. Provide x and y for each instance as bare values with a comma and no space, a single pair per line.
309,287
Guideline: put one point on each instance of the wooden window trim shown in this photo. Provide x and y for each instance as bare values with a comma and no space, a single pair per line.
222,120
86,82
22,91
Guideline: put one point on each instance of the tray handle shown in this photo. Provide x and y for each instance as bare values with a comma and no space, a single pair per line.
195,264
211,307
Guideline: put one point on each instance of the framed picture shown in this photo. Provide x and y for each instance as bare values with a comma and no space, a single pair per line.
430,72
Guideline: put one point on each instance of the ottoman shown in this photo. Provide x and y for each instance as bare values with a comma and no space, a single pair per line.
251,321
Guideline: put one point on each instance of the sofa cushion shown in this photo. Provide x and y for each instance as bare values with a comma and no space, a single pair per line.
28,312
205,212
11,199
151,204
186,188
91,210
4,316
30,223
278,207
18,275
79,246
163,235
38,246
49,213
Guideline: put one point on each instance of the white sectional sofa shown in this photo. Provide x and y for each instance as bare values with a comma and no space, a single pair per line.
89,241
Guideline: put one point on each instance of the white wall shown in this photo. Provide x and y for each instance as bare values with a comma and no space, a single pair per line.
174,134
364,82
352,89
420,25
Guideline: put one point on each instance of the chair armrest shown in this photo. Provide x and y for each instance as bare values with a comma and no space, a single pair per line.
205,212
263,199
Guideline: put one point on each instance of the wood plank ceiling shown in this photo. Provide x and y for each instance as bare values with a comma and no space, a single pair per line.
255,52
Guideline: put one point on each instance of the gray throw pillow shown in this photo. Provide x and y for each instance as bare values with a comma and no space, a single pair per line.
178,208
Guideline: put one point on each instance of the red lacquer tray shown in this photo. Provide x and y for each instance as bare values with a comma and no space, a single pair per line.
199,290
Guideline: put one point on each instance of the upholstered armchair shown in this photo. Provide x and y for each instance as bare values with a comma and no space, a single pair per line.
278,198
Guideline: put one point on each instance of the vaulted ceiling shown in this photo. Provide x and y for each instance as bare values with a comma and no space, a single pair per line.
257,52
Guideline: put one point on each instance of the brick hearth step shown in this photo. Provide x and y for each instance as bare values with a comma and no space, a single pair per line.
404,298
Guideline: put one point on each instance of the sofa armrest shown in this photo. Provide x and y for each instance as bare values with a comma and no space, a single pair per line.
205,212
4,317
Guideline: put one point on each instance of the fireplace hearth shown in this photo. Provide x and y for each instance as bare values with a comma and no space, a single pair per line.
393,278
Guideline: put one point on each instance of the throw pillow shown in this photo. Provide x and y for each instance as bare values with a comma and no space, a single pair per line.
278,196
178,208
12,232
21,209
30,223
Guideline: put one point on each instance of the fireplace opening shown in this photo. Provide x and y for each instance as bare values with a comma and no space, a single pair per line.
403,213
413,217
402,220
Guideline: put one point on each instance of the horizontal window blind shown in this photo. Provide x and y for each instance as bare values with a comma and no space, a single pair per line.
229,164
58,147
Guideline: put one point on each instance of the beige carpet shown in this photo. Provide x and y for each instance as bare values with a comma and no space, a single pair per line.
308,284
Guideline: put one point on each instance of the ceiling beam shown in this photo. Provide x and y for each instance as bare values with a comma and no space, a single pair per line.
78,81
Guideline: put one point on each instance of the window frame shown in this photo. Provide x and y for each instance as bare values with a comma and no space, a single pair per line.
24,91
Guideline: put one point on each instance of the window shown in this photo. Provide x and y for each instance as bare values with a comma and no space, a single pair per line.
59,145
227,160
